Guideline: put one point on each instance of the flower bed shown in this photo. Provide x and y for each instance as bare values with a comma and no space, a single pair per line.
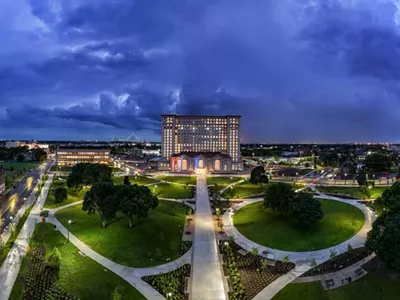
339,262
185,246
40,279
171,284
250,274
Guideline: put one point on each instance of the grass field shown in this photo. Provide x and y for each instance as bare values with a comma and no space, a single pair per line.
179,179
222,182
169,190
72,195
149,243
61,169
19,166
244,189
80,276
356,192
341,221
139,180
371,286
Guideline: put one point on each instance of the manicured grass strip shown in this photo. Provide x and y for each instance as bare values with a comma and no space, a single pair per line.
150,242
244,189
139,180
11,240
19,166
179,179
341,221
371,286
73,195
60,169
169,190
356,192
80,276
222,181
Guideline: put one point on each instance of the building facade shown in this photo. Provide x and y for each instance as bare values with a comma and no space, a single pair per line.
29,145
71,157
212,141
2,185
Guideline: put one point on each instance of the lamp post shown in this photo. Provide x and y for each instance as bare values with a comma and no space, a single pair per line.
169,295
24,203
69,222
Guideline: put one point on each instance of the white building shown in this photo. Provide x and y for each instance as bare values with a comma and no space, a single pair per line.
196,135
31,145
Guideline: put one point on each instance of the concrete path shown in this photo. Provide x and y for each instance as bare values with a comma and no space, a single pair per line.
301,259
10,268
130,274
207,277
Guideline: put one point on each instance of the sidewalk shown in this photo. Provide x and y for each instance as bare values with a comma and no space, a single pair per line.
130,274
10,268
207,277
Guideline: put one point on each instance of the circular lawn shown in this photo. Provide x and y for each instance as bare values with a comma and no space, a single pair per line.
152,241
341,221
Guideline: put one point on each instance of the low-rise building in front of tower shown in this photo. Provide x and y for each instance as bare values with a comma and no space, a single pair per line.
72,156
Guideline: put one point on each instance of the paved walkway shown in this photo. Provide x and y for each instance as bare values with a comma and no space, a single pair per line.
11,265
301,259
130,274
207,277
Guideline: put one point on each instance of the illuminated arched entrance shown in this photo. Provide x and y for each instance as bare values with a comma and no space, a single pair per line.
217,165
201,164
184,165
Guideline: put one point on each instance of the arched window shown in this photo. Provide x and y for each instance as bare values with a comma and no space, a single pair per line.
184,165
201,164
217,165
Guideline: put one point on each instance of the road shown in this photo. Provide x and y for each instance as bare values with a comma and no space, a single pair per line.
15,198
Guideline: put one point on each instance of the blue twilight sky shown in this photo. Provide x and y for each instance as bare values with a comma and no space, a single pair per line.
296,70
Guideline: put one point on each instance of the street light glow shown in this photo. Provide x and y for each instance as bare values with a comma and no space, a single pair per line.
69,221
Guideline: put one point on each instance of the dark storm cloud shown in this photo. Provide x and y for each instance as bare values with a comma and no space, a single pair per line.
296,70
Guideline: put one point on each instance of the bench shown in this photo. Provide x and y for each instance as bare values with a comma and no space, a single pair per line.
329,283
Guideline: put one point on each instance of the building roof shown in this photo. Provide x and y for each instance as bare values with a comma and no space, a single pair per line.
199,116
206,154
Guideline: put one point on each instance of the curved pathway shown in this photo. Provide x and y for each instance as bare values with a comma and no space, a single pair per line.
301,259
130,274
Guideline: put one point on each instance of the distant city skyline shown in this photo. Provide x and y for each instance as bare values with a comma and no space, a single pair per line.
295,70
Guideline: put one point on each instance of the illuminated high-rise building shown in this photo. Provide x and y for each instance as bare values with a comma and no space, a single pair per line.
210,143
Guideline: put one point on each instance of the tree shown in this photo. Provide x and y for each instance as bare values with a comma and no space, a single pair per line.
126,180
384,238
389,199
54,259
20,158
258,176
135,200
278,197
88,174
115,295
60,194
306,209
39,154
362,178
101,199
378,162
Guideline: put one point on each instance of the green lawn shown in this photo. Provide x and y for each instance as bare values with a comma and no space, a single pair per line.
19,166
61,169
80,276
371,286
169,190
341,221
222,181
179,179
139,180
244,189
149,243
73,196
356,192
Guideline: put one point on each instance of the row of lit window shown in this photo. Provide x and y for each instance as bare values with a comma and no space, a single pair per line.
82,157
81,153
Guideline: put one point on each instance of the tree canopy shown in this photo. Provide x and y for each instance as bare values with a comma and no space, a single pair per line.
258,176
378,162
306,209
278,197
60,194
101,199
384,238
88,174
389,199
126,180
135,200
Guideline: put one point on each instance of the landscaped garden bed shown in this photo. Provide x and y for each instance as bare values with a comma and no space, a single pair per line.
251,273
171,285
185,246
339,262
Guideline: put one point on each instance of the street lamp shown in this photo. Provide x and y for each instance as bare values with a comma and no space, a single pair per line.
169,295
69,222
25,203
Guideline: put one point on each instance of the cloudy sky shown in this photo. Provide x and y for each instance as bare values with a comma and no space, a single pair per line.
296,70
